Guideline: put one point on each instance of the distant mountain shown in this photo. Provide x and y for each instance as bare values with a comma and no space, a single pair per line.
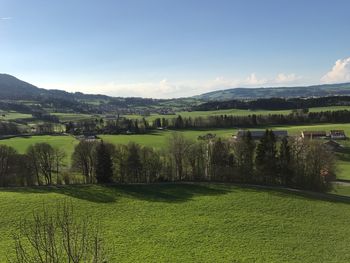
279,92
12,88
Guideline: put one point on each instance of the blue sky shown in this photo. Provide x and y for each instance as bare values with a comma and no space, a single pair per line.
163,48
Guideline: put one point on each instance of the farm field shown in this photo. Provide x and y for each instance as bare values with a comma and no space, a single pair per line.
195,222
12,115
64,117
21,144
237,112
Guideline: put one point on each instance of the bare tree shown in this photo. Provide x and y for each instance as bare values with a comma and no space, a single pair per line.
178,146
84,159
42,159
57,237
7,160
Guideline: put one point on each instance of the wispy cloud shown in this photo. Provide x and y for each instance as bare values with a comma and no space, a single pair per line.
174,89
339,73
6,18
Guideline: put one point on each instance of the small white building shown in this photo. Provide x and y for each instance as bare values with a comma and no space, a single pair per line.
337,135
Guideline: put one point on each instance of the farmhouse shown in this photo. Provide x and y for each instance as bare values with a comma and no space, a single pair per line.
313,134
259,134
337,135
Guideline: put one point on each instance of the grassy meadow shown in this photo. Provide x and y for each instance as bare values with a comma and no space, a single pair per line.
236,112
195,223
66,143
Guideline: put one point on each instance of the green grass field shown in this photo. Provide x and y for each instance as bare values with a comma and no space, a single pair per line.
66,143
64,117
12,115
236,112
195,223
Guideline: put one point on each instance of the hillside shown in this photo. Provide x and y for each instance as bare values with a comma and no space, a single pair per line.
12,88
278,92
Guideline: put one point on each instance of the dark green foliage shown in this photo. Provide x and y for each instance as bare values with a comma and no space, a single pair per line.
104,164
284,163
221,160
133,162
244,149
266,158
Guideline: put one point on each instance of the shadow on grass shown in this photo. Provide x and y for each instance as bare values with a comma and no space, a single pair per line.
171,193
300,194
344,154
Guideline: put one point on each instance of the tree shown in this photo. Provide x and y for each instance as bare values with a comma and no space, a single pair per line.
59,156
104,164
266,159
284,163
58,237
134,164
244,149
84,159
120,162
177,146
7,162
319,166
221,160
42,159
151,164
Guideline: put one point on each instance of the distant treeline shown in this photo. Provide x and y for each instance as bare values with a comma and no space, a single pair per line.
122,125
293,163
253,120
275,103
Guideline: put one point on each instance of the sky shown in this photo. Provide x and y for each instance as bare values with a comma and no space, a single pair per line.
167,48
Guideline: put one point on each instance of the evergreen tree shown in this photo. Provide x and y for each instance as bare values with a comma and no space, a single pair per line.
134,164
244,153
104,164
285,168
266,159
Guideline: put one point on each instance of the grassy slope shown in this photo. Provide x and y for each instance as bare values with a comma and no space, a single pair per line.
197,223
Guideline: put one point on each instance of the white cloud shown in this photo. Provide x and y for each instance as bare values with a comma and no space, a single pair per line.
5,18
168,89
339,73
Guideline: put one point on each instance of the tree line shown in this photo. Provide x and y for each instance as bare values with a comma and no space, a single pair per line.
254,120
275,103
291,162
123,125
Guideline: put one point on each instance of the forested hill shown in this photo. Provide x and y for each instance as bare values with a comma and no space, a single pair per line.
279,92
12,88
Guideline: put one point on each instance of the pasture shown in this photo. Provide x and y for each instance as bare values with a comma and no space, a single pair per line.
195,222
66,143
236,112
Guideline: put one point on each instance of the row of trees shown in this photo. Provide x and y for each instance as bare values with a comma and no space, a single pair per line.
42,164
124,125
275,103
290,162
229,121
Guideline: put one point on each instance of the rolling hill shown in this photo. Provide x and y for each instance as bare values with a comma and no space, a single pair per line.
279,92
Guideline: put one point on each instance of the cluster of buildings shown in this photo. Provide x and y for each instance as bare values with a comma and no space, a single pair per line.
333,134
